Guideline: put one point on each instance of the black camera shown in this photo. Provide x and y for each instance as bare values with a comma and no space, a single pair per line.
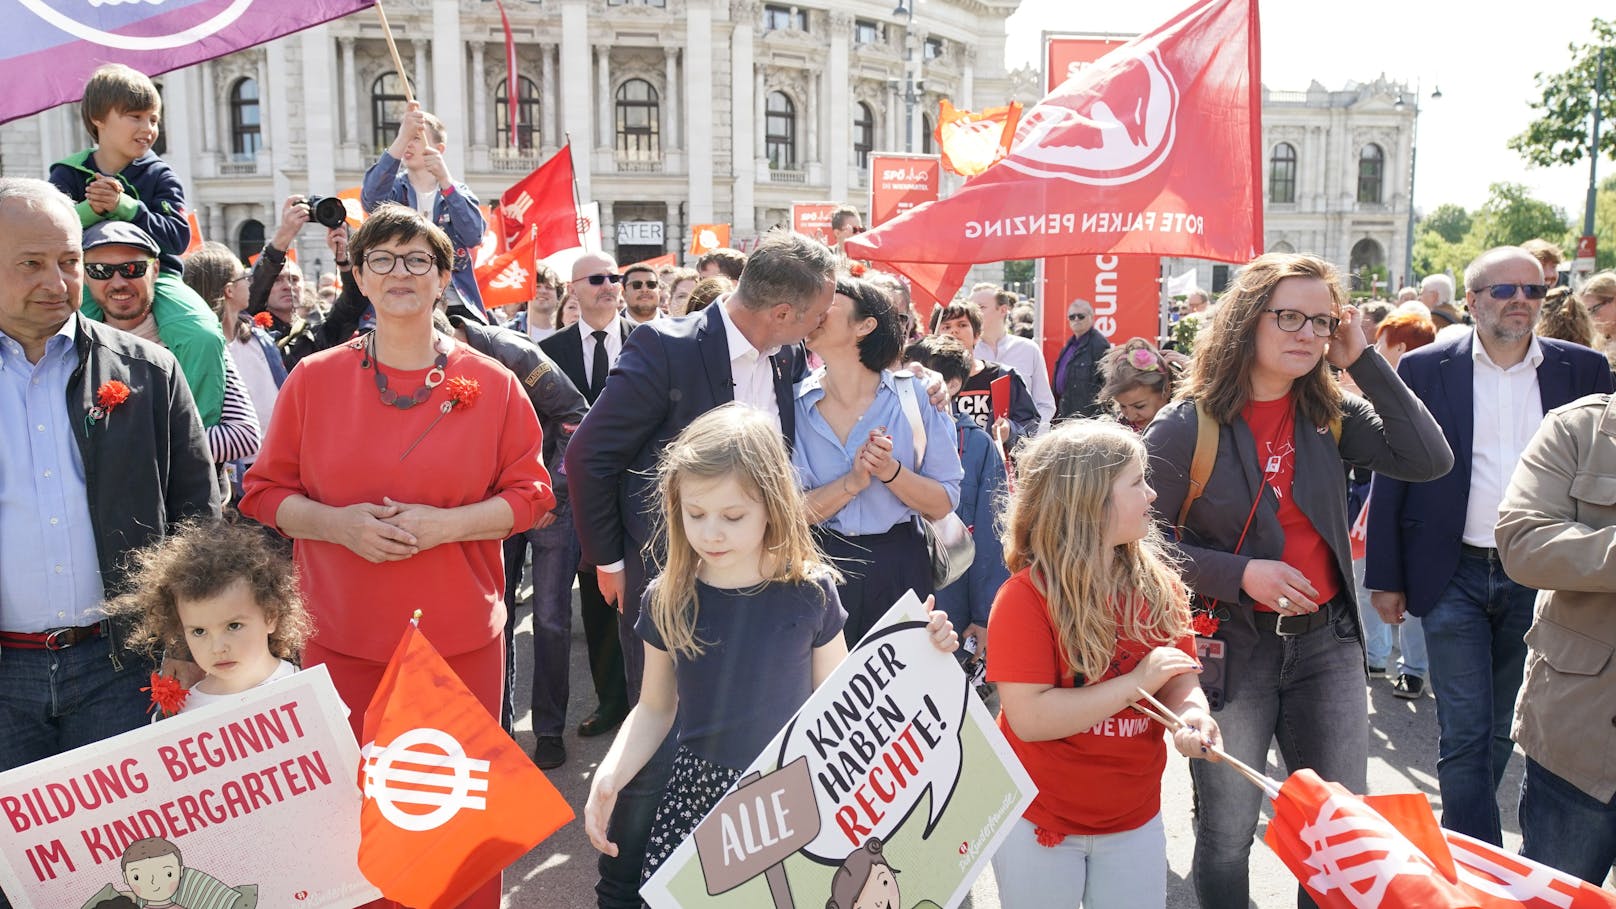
327,210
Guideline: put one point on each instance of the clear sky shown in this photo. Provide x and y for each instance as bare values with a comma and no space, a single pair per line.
1482,55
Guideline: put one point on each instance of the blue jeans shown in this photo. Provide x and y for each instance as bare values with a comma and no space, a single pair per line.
1307,691
1379,636
555,561
1566,828
1476,635
53,701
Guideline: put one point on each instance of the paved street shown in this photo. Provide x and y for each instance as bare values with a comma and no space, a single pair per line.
1402,758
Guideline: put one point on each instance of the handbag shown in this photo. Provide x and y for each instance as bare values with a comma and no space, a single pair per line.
947,539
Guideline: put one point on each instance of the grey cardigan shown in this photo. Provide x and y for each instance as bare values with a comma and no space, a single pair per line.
1391,433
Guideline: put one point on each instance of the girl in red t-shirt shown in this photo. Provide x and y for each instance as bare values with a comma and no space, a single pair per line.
1093,614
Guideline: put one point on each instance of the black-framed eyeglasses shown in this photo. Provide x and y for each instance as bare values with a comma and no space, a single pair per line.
642,285
598,280
1292,320
1076,316
1507,291
103,271
385,263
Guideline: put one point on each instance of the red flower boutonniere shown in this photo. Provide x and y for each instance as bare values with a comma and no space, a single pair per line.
108,397
167,694
1205,624
264,320
463,393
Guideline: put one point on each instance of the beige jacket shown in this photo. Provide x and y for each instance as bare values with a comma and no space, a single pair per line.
1557,533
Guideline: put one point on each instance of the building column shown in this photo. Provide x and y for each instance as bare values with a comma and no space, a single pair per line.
810,151
838,83
178,95
449,82
350,92
744,127
479,97
670,106
275,124
214,227
603,97
894,119
575,112
210,108
419,81
319,80
968,79
549,100
760,134
699,89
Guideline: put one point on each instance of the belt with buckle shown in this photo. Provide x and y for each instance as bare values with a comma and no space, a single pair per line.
1291,625
1479,552
54,639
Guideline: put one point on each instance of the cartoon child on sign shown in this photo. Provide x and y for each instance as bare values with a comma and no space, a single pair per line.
866,881
155,873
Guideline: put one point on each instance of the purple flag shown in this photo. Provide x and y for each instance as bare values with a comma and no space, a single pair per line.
52,46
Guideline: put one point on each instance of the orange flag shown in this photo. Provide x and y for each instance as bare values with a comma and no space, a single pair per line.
508,278
450,799
704,238
196,232
972,143
350,202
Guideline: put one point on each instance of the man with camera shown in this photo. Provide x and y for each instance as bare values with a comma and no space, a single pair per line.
276,289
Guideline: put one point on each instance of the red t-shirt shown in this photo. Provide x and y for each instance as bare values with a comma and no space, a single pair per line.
1106,779
1273,426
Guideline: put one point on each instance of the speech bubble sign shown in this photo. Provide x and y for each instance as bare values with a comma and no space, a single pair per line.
888,737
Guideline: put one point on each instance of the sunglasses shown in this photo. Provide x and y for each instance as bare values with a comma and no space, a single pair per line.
1507,291
1292,320
598,280
103,271
635,285
1077,317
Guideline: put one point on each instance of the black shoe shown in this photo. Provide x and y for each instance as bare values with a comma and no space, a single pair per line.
602,721
1408,687
1377,672
549,753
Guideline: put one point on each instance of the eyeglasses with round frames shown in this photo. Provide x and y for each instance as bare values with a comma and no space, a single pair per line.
1292,320
385,263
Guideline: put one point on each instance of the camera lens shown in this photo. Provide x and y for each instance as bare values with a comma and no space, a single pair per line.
328,211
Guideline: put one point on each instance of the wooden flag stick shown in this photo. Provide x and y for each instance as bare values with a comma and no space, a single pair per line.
1172,721
392,48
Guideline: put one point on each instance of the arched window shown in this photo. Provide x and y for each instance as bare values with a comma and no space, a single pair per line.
863,133
386,109
1281,246
245,137
638,113
928,141
780,132
527,114
1282,174
250,238
1371,173
1367,255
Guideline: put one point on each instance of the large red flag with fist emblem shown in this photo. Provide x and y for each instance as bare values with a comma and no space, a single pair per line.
1154,149
450,799
543,200
1387,851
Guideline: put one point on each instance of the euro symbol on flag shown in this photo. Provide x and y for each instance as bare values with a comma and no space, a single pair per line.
514,277
446,781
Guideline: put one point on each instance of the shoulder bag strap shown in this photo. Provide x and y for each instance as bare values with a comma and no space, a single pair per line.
911,410
1206,454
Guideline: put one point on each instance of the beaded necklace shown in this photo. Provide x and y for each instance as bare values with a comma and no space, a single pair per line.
434,377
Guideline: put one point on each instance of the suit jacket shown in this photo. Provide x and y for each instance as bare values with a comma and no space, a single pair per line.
566,348
1416,529
671,371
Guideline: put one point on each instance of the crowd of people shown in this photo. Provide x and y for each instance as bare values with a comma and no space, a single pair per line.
229,474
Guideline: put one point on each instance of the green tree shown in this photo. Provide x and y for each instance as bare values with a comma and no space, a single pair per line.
1448,220
1560,133
1605,224
1433,254
1510,217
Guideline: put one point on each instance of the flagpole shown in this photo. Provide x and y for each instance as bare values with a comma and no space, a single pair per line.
577,202
392,48
1173,722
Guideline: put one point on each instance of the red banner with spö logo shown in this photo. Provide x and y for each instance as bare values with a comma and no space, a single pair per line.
1152,150
901,182
813,219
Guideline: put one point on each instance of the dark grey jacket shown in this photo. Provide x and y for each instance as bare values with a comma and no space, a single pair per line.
1391,433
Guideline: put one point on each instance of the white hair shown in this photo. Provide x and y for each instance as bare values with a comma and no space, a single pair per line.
37,195
1442,284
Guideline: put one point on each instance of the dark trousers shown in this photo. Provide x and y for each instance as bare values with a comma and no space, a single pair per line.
877,569
605,648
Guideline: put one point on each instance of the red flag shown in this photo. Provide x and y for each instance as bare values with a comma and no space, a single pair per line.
508,278
653,263
1154,149
543,200
1352,853
972,143
196,232
450,799
513,89
999,392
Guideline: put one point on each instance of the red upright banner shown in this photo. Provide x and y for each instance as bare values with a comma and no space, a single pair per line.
543,200
450,799
813,219
513,90
901,182
1153,150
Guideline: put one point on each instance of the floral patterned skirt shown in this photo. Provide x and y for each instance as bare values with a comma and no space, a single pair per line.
694,787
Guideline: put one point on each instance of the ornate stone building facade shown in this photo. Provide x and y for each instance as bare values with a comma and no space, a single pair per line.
679,111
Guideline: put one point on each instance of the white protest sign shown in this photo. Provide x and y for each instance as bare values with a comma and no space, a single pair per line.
251,801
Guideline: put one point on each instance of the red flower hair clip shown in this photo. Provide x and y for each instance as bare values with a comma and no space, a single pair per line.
108,397
167,694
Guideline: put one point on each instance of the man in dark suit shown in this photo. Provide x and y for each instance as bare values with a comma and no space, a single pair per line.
744,347
585,351
1431,546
